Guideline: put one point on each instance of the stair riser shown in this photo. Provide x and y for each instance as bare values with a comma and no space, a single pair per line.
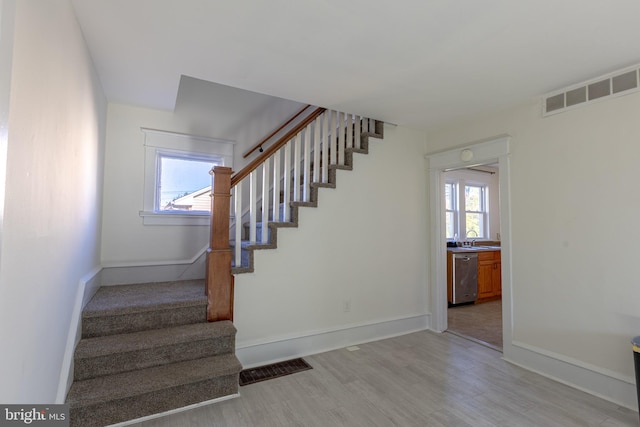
154,403
142,321
124,362
245,259
258,233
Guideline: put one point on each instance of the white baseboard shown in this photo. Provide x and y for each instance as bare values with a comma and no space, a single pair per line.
87,286
175,411
605,384
123,274
264,352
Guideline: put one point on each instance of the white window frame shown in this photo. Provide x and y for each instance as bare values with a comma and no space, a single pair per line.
158,143
180,155
454,210
460,209
484,202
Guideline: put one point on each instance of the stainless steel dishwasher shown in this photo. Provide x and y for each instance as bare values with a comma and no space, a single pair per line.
465,278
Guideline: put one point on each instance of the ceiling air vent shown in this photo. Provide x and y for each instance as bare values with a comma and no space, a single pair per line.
618,83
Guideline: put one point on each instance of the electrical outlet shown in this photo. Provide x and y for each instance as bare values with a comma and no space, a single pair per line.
346,306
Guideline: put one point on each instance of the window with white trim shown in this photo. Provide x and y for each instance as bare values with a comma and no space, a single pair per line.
475,211
451,210
466,210
177,181
183,182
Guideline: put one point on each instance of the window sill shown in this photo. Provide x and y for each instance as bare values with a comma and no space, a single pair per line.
177,218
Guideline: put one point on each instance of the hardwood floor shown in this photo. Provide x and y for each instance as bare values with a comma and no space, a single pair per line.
420,379
479,321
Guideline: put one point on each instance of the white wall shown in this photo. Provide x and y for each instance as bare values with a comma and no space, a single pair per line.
365,243
51,236
7,19
202,109
574,211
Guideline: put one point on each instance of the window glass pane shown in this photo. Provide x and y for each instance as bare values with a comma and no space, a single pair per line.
473,198
450,232
475,225
448,195
184,184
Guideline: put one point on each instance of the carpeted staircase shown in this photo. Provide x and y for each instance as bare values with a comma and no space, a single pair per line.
147,349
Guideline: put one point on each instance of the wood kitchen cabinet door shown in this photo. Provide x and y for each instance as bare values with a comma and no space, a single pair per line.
496,276
489,276
449,277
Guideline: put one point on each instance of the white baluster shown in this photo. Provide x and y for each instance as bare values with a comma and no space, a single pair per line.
275,214
252,207
340,130
332,137
286,182
265,201
325,147
316,149
307,163
349,131
357,132
238,226
296,167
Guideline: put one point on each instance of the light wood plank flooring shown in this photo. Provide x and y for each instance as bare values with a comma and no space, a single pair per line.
479,321
420,379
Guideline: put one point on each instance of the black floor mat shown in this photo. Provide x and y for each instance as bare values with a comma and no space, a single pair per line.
267,372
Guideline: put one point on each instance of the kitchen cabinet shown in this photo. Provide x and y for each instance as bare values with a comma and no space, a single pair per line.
489,276
449,277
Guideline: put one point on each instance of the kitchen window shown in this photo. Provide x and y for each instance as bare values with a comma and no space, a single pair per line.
451,211
475,203
466,210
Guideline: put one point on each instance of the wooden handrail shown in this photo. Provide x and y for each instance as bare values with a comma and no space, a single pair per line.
239,176
265,139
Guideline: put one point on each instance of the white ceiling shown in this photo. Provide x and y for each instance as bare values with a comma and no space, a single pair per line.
419,63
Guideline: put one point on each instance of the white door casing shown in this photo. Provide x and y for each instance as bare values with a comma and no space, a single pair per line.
488,151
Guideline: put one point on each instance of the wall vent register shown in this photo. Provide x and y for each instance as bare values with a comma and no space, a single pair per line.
621,82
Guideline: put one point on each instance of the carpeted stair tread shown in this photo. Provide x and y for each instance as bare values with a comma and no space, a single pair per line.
131,308
146,340
111,388
114,354
142,297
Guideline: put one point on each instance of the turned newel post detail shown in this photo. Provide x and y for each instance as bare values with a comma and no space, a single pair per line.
218,271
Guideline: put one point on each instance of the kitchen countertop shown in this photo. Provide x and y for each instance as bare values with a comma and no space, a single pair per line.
479,248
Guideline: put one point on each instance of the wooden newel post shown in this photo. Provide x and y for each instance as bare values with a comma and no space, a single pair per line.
218,272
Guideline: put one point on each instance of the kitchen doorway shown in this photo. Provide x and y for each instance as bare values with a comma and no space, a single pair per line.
494,151
472,210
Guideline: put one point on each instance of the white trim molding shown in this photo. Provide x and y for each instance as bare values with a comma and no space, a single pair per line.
495,150
87,287
603,383
159,142
277,349
123,273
